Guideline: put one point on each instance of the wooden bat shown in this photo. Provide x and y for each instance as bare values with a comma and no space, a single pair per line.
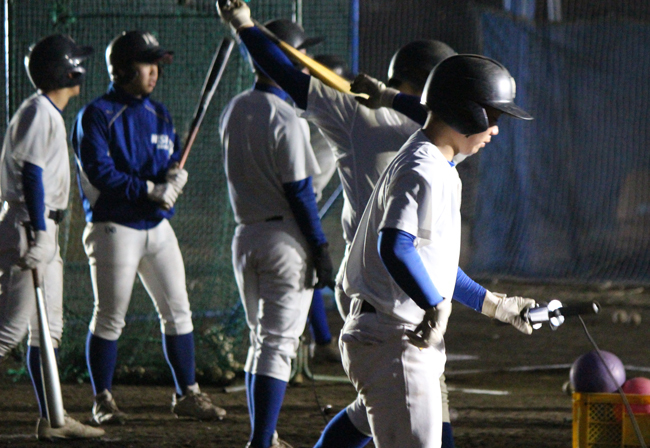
210,84
49,369
315,68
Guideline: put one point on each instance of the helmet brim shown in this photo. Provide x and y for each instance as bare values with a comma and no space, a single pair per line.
310,42
154,55
512,109
82,52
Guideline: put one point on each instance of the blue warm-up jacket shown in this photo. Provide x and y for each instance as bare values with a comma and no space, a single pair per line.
120,142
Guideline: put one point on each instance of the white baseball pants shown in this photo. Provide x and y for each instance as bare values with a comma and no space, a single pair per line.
398,384
116,254
17,295
272,273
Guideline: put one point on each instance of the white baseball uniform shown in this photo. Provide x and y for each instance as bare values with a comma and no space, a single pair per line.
267,145
36,135
365,141
398,384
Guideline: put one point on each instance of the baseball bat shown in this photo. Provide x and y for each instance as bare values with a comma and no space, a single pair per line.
327,76
49,369
210,84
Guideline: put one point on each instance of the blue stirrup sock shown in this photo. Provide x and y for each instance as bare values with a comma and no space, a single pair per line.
318,320
34,369
341,433
447,436
179,353
268,394
101,358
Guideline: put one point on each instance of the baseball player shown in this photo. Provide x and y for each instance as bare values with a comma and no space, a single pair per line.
402,271
34,188
322,349
127,151
269,164
365,141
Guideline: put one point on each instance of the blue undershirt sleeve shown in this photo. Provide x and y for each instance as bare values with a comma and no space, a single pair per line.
302,201
410,106
276,65
34,194
468,292
405,266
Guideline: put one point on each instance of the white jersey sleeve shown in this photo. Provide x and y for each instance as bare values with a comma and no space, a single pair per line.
418,193
36,135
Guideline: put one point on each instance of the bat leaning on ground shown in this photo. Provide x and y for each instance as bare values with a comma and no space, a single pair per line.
49,369
210,84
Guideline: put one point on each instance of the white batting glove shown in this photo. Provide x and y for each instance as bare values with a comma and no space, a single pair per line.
430,332
235,13
177,177
508,310
378,94
37,252
165,194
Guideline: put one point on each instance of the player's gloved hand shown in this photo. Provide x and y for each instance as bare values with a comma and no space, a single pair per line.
37,252
235,13
324,267
165,194
378,94
177,177
431,330
508,310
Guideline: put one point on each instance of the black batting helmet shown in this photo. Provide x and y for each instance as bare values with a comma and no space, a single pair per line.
54,62
461,87
414,61
291,33
129,47
335,63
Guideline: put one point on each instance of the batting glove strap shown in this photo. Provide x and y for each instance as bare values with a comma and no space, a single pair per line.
508,309
378,94
235,13
430,332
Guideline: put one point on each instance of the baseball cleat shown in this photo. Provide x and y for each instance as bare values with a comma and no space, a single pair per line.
105,411
71,429
197,405
277,442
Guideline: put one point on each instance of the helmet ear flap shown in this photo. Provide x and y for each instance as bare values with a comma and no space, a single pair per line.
464,116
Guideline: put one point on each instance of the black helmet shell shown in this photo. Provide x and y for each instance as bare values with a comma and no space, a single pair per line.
414,61
54,62
129,47
460,88
291,33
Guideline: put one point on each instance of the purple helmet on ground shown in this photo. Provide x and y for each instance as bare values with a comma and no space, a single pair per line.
589,374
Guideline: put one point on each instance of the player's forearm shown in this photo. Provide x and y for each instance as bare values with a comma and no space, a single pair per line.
276,65
104,176
410,106
301,198
34,194
468,292
405,266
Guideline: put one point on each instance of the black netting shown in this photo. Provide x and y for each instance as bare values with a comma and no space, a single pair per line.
566,197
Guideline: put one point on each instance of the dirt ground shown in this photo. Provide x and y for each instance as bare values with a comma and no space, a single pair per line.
505,387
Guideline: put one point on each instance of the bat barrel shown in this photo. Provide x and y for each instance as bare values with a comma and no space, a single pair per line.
49,369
